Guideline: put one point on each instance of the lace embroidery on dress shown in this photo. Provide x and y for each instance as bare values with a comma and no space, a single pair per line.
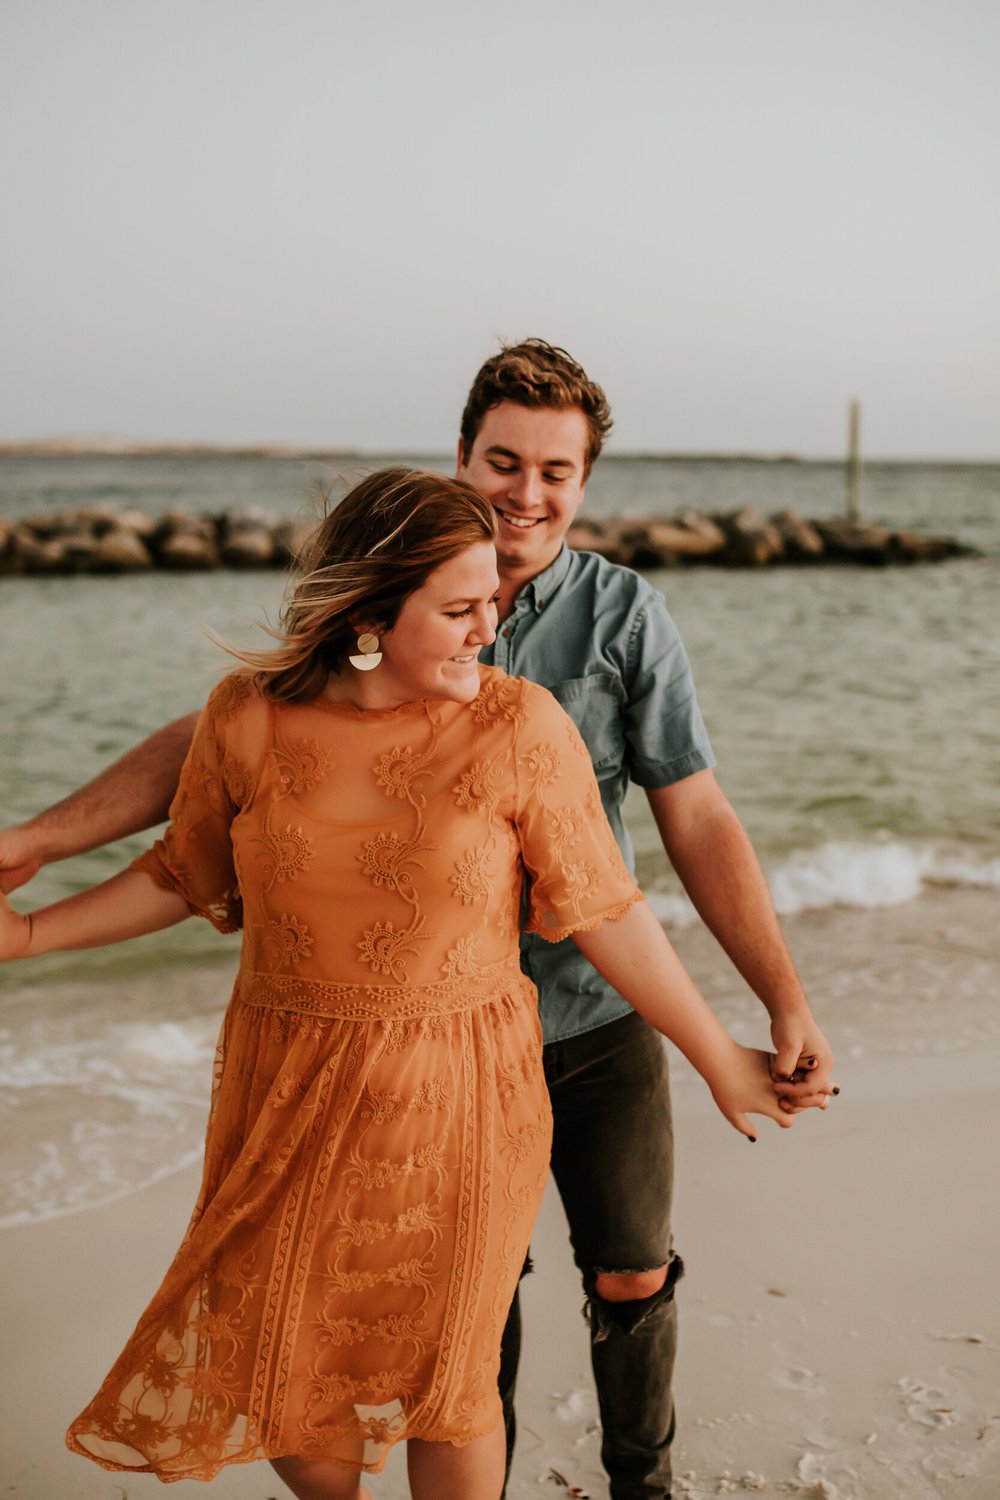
383,859
287,940
238,782
302,765
289,852
399,771
383,946
470,877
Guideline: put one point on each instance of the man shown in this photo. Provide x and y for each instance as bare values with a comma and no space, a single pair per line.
600,638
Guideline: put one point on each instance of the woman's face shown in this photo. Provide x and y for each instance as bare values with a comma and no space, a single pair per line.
431,650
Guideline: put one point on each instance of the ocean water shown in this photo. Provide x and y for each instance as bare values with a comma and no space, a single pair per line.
854,714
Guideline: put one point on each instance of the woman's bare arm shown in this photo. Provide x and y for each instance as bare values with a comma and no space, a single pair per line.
635,957
125,906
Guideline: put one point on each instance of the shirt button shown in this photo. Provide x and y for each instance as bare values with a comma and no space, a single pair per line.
505,632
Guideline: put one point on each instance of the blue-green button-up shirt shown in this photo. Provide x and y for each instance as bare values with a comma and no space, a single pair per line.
601,640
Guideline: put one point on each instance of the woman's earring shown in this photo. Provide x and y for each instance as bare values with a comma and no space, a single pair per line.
370,654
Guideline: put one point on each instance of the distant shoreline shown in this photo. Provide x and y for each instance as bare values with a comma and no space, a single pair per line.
125,448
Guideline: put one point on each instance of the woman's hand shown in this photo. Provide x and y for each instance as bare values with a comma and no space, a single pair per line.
15,932
745,1087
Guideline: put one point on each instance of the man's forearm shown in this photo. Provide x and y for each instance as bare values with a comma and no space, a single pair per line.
132,794
709,848
721,873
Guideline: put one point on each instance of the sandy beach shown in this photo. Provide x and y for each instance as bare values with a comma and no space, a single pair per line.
840,1332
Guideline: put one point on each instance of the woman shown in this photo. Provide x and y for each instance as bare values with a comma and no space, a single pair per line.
363,801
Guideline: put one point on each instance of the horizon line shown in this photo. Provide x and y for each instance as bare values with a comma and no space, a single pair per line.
114,447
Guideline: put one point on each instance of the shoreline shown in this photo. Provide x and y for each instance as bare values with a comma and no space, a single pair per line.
126,1057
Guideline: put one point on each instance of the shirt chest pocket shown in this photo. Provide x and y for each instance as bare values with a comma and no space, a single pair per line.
595,704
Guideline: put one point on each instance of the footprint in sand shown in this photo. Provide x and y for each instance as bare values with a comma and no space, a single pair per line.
926,1404
799,1379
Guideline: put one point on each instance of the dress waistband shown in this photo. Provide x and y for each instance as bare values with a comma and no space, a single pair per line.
317,997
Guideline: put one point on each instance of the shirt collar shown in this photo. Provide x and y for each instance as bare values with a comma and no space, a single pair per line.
540,589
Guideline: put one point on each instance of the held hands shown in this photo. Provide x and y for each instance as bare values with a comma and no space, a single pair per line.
802,1068
745,1087
754,1083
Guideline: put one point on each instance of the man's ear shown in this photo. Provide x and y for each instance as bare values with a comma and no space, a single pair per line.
460,457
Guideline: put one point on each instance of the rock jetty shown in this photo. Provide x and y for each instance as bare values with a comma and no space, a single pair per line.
99,539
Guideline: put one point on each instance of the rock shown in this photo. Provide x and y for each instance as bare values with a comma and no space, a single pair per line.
681,540
704,526
247,546
45,525
855,541
751,542
585,539
183,540
187,549
28,553
802,542
909,547
589,524
78,548
290,540
179,521
121,551
97,519
635,547
138,522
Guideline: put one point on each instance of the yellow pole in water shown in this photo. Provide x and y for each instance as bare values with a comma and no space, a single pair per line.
854,462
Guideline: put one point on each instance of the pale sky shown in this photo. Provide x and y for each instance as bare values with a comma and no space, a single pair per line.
241,221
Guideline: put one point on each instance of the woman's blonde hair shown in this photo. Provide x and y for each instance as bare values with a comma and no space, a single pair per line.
377,547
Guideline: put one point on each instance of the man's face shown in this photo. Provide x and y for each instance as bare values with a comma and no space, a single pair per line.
530,463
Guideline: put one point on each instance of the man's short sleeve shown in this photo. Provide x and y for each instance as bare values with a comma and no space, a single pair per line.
665,735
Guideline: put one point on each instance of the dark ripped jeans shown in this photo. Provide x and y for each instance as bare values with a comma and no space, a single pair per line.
612,1159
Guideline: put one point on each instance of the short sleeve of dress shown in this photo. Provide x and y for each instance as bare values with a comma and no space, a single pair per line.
194,857
577,874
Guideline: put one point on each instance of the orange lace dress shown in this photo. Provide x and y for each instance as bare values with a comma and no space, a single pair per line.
379,1132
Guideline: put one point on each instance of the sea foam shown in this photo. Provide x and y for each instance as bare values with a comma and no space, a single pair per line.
851,874
871,875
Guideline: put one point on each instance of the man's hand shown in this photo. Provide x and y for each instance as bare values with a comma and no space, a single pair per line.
802,1069
21,857
709,848
131,795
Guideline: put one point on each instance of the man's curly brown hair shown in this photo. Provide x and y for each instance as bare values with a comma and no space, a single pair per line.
534,373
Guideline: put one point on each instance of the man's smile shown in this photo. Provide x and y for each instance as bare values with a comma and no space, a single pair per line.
523,523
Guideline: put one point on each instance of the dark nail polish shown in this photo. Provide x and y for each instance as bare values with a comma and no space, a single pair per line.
752,1139
836,1091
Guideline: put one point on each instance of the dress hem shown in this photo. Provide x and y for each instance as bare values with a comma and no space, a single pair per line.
208,1474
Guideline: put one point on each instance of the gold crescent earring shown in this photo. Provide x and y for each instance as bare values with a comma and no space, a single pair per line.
370,654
